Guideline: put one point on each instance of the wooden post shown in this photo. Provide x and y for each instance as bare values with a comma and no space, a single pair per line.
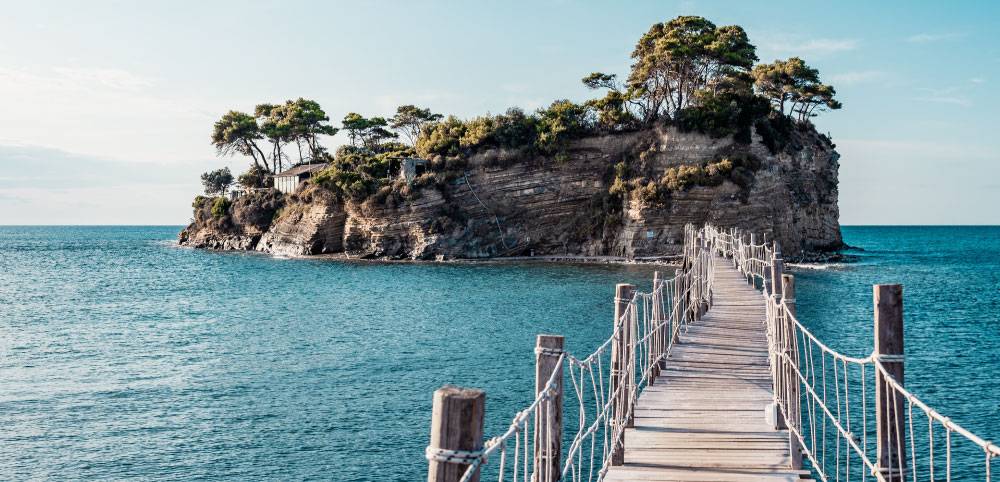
791,378
678,305
889,414
456,424
750,254
620,361
777,269
659,335
705,294
548,426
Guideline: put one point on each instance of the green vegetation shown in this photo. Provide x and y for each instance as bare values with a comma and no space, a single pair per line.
410,120
220,207
737,169
217,181
298,121
687,72
547,131
793,83
255,177
357,172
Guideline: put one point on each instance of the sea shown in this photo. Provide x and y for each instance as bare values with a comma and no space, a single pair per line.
126,357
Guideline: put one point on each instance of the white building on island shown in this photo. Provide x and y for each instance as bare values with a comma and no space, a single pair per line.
289,181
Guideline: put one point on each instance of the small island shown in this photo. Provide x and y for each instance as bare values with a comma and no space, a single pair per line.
699,131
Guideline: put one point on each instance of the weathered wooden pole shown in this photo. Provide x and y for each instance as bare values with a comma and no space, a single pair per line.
774,289
777,269
792,388
889,414
707,295
549,418
620,353
750,254
659,331
456,425
678,305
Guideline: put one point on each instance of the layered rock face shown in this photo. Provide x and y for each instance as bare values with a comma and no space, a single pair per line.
247,219
508,203
312,224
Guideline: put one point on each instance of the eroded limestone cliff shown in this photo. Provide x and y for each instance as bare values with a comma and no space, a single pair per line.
509,203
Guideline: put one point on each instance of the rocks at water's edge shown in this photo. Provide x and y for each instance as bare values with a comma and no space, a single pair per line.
512,204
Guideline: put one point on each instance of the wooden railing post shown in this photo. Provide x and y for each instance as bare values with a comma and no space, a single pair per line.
889,415
659,335
549,418
777,269
620,361
456,424
772,286
791,389
678,305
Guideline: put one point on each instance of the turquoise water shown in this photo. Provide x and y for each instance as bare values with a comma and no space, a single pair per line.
123,356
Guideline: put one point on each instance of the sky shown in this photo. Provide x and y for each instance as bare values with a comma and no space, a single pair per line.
106,108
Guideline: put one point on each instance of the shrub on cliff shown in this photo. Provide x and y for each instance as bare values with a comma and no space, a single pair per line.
199,202
561,122
253,178
441,138
547,130
738,169
724,114
775,131
358,173
220,206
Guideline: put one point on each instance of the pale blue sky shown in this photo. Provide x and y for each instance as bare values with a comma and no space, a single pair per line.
106,107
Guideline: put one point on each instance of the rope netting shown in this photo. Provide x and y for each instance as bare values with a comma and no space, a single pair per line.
600,397
830,401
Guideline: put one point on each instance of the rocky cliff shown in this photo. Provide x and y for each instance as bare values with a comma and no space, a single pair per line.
602,196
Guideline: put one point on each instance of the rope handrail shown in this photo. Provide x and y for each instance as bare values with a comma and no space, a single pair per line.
605,395
838,409
802,367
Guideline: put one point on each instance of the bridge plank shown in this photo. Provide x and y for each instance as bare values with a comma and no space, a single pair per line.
704,417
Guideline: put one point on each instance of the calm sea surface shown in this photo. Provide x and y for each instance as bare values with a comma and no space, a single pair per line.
124,357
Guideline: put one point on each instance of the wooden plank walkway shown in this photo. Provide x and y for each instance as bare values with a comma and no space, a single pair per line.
704,417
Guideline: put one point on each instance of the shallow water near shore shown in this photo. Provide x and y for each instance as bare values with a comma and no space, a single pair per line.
122,356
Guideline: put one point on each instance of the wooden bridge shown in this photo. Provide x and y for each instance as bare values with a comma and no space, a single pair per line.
710,376
704,416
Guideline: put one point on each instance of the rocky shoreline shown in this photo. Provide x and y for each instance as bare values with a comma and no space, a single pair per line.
509,204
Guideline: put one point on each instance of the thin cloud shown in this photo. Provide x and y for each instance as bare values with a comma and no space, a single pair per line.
923,38
950,95
111,78
961,101
814,46
856,77
977,80
104,112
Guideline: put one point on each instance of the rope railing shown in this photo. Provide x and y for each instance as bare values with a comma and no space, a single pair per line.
604,385
851,417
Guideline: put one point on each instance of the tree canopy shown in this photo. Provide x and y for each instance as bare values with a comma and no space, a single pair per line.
690,63
687,72
367,132
301,121
676,59
410,119
238,133
217,181
796,85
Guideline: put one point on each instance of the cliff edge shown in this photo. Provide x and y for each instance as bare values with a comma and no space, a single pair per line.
623,194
